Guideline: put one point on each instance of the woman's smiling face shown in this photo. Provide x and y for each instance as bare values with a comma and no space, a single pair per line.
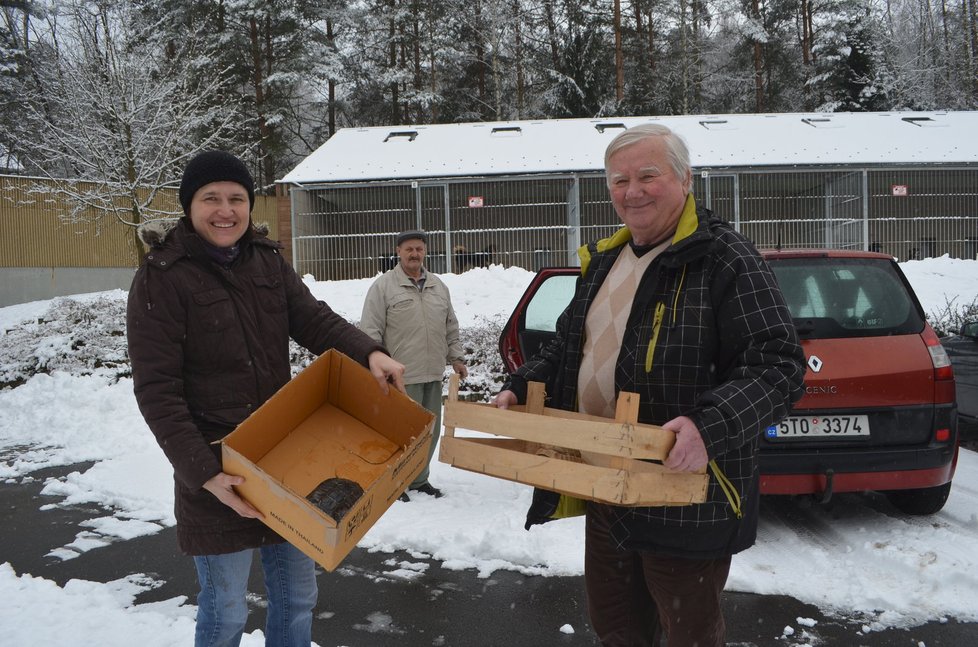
220,213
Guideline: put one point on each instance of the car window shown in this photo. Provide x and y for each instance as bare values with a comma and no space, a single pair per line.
833,297
549,301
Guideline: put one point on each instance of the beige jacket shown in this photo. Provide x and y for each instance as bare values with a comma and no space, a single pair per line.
418,327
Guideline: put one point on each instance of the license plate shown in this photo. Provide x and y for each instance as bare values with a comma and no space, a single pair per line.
804,427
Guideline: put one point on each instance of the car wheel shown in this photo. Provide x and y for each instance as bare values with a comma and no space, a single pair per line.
922,501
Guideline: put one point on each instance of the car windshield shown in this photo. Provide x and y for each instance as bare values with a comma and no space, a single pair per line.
846,297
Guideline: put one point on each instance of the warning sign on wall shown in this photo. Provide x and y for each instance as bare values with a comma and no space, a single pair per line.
899,190
475,201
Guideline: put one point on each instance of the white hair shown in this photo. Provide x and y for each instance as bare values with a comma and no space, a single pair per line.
676,149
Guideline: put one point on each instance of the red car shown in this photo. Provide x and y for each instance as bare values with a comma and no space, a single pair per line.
879,409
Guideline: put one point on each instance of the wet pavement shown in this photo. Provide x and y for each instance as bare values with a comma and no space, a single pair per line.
383,599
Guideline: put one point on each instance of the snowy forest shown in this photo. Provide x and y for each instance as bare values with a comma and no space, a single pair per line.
124,91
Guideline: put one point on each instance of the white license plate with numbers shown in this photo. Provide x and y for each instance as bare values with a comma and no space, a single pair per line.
804,427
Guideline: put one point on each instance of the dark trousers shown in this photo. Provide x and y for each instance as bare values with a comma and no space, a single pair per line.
635,597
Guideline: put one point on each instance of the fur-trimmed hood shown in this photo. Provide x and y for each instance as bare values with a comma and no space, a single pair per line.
154,233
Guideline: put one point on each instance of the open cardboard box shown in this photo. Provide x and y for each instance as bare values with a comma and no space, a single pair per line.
331,420
588,457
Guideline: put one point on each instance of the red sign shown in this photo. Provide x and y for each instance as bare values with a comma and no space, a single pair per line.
475,201
899,190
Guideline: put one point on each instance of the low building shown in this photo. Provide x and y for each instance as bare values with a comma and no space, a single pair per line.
528,193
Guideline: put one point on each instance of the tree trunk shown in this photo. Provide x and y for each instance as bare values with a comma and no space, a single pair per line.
480,58
257,81
927,36
433,72
806,32
416,54
548,8
518,58
973,29
758,63
331,115
136,247
268,160
645,30
696,73
684,54
497,85
946,38
651,44
392,61
619,56
403,65
433,67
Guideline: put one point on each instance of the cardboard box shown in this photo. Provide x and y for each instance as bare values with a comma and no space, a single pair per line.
331,420
588,457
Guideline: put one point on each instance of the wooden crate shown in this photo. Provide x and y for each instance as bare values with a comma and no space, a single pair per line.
588,457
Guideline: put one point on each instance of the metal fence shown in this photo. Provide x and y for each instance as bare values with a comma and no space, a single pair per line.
346,231
909,213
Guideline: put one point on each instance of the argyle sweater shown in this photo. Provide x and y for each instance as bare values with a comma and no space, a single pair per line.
725,354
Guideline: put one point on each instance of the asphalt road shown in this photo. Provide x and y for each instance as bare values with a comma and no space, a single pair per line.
362,604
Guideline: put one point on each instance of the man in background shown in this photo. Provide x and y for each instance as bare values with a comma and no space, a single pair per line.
409,311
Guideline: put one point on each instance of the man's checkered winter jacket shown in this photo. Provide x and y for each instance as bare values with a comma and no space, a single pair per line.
709,337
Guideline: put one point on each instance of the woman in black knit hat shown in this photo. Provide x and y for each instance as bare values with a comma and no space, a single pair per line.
211,311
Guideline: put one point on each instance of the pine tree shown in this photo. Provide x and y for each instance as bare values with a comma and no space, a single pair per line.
852,73
582,84
755,51
15,70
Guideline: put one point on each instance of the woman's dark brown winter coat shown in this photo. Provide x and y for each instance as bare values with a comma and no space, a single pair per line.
209,344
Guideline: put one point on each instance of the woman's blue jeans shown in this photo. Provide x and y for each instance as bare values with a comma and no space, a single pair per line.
222,610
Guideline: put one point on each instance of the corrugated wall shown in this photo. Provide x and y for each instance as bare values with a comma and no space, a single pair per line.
36,233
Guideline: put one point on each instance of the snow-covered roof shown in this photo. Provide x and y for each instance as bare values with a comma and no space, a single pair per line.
577,145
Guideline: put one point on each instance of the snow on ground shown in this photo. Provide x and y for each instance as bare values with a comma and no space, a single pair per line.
854,558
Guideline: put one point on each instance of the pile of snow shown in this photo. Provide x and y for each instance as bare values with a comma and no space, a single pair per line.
854,558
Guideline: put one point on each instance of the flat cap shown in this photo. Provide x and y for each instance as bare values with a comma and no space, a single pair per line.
412,234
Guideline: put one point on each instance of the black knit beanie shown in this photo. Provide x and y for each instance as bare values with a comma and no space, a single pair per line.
214,166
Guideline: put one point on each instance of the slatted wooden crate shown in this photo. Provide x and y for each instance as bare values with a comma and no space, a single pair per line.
588,457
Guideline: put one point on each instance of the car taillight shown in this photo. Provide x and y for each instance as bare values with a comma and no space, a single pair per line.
943,373
938,356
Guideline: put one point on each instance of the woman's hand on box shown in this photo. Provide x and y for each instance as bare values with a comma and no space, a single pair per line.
221,487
